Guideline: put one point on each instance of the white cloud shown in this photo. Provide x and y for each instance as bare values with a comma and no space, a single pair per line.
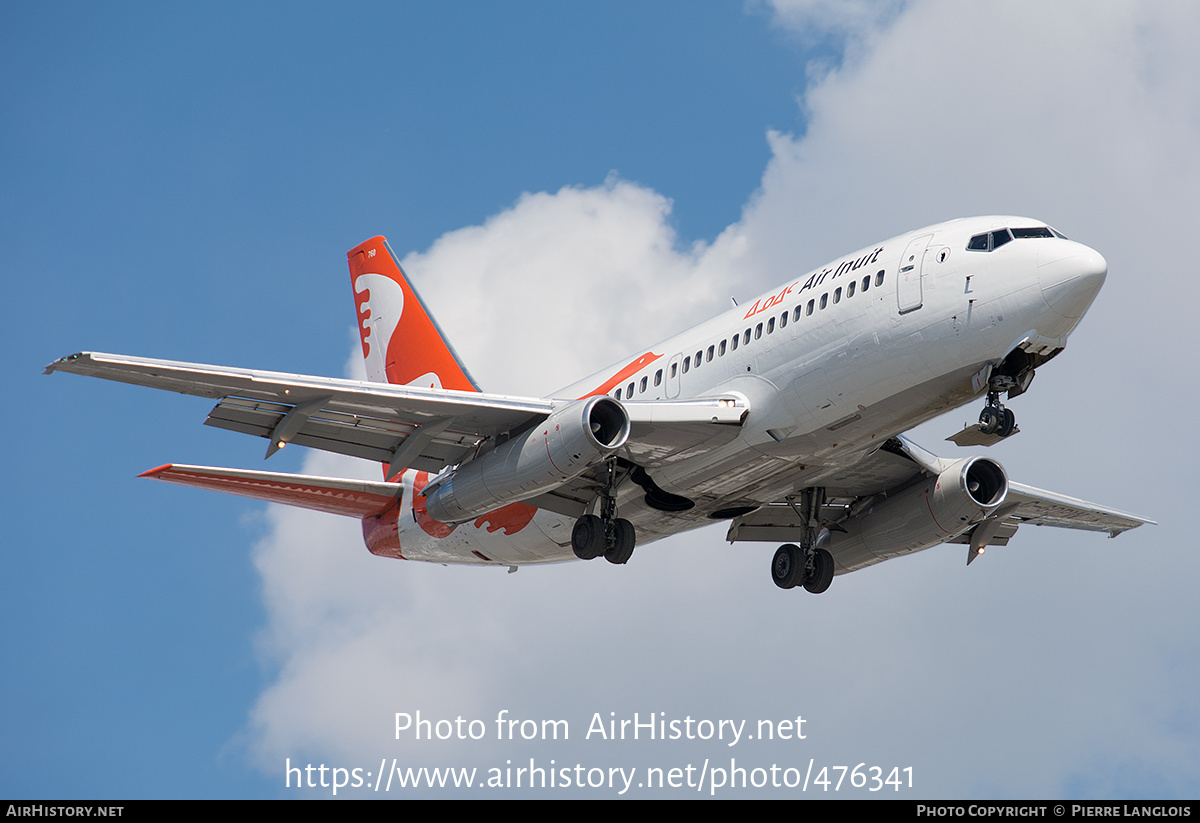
530,299
840,17
1059,665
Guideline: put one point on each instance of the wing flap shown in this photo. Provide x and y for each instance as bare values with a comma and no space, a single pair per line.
353,435
777,521
999,537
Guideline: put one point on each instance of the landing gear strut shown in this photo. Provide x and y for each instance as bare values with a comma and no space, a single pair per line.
995,418
605,534
805,565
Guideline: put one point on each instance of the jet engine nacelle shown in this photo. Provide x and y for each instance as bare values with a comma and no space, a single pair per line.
923,515
560,448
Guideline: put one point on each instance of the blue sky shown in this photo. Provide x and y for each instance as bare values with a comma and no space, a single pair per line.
183,183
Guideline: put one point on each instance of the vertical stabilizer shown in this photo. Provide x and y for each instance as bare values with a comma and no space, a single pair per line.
401,341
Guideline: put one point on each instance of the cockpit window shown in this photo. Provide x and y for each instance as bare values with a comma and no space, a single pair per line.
990,241
1040,231
993,240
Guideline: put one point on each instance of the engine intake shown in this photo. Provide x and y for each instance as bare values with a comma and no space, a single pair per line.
924,514
533,462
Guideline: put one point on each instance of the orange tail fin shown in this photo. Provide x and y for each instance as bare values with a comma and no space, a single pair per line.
401,341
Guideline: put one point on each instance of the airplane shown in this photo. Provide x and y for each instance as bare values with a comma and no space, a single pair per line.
783,418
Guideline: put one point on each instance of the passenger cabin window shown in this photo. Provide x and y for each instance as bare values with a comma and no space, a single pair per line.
850,288
796,314
618,394
710,354
824,299
733,343
879,278
866,282
758,331
809,310
687,364
629,391
674,368
642,387
698,359
721,350
837,295
783,320
746,337
771,325
658,378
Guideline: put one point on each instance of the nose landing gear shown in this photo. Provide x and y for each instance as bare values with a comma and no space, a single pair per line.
995,418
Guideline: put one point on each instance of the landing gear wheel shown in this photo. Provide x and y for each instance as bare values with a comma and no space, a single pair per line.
990,419
822,574
787,568
587,538
624,539
1008,422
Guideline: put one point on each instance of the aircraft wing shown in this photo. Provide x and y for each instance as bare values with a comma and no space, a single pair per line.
1027,505
405,426
399,426
899,461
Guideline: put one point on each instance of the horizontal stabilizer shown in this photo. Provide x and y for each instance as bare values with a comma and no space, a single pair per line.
353,498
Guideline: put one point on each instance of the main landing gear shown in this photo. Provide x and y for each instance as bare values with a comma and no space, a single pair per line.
606,534
792,567
810,566
995,418
594,536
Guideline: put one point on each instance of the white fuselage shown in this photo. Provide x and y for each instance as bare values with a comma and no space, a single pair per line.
833,363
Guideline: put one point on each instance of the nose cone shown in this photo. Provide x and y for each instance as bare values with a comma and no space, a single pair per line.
1071,278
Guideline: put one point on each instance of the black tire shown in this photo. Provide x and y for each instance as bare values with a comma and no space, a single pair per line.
989,420
822,574
1008,422
624,539
787,567
587,538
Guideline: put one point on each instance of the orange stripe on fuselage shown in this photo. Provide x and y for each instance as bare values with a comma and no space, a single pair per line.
620,377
